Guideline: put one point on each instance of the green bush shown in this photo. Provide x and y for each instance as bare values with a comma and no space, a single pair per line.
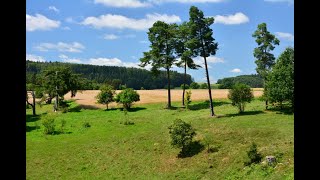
187,99
253,155
240,94
63,124
194,85
106,95
49,126
204,86
126,97
186,86
181,134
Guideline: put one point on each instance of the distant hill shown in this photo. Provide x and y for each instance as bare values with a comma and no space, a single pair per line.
254,81
131,77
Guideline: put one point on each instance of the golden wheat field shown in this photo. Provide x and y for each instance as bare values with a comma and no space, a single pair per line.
87,97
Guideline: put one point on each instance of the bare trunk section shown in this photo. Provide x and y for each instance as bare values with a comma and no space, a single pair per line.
209,86
169,94
184,82
33,105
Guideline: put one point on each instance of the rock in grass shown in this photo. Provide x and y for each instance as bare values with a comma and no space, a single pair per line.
271,160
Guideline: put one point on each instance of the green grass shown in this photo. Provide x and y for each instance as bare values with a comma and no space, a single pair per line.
111,150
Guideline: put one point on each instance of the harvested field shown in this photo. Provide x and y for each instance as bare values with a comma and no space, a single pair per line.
87,98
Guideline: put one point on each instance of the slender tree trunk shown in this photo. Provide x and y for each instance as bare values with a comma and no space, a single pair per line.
33,106
169,94
184,82
34,103
209,86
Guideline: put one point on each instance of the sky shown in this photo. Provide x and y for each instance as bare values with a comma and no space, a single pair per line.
114,32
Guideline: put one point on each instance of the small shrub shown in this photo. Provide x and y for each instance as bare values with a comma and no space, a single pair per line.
186,86
181,134
126,97
64,109
86,125
204,86
208,139
253,155
240,94
194,85
106,95
49,126
63,124
187,99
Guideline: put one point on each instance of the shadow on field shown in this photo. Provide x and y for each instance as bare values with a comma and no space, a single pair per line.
82,106
246,113
30,118
285,110
206,105
59,132
194,148
136,109
30,128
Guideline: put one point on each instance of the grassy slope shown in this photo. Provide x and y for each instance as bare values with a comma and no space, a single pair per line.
109,149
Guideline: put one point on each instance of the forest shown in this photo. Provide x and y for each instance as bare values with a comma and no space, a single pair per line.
253,80
94,75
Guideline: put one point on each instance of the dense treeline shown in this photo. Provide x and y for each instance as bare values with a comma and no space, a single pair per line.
254,81
96,75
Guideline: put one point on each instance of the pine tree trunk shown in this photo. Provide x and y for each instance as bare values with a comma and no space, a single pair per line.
34,103
169,94
209,86
184,82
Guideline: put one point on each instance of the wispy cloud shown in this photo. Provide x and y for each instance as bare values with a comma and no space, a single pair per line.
237,18
112,62
110,37
186,1
40,22
211,59
123,22
144,42
236,70
61,46
53,8
65,58
123,3
285,36
32,57
286,1
66,28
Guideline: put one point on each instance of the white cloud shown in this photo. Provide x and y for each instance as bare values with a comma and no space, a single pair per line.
211,59
130,36
236,70
35,58
237,18
66,28
65,58
111,62
62,56
40,22
187,1
110,37
123,22
275,1
144,42
53,8
123,3
285,36
70,20
61,46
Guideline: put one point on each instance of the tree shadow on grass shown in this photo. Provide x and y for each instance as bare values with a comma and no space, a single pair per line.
246,113
206,105
82,106
31,118
136,109
31,128
285,110
59,132
194,148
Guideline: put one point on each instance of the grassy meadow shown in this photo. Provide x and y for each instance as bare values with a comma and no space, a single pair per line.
108,149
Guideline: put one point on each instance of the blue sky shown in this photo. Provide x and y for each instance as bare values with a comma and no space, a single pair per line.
114,32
